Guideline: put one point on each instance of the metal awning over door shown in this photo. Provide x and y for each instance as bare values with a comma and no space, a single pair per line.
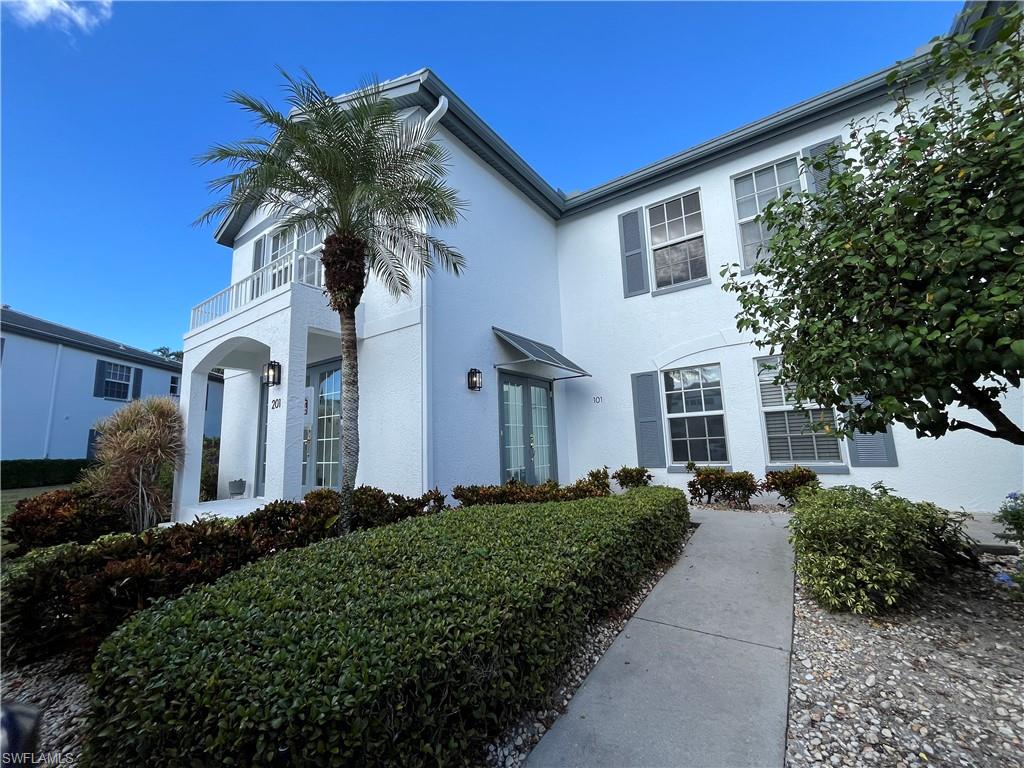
538,352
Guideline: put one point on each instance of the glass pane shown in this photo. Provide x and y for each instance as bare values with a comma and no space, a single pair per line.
716,426
697,427
717,450
793,186
746,207
693,401
673,209
677,428
698,266
691,203
680,272
513,431
662,277
744,185
675,229
712,399
658,235
803,447
750,254
827,447
673,380
698,450
787,170
328,425
775,423
778,449
694,224
691,378
764,179
680,452
750,233
543,445
657,214
710,374
674,402
763,198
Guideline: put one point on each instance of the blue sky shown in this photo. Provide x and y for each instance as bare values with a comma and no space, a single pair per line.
100,125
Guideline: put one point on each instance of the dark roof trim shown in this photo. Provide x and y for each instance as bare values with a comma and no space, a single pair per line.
424,88
20,324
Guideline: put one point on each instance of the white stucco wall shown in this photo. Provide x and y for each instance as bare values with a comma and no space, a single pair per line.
36,373
511,281
614,337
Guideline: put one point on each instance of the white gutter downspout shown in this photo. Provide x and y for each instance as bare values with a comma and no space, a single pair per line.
426,446
53,401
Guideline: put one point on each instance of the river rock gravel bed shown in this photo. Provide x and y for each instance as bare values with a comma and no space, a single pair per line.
938,683
58,689
512,747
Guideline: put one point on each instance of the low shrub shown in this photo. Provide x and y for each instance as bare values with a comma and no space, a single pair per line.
71,596
863,551
718,484
374,507
788,482
35,473
407,645
1011,516
632,477
595,484
61,516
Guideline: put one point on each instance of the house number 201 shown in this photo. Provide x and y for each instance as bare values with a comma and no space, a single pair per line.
275,403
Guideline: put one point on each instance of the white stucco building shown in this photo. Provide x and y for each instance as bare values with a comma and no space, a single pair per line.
57,382
639,362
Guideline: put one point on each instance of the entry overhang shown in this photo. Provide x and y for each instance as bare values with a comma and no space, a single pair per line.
538,352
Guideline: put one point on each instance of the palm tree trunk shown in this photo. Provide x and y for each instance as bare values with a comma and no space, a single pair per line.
349,414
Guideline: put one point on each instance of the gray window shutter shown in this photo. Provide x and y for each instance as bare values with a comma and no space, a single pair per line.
650,436
634,253
101,377
875,449
90,447
137,384
818,180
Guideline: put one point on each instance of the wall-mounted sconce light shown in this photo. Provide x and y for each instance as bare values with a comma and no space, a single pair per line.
272,373
475,379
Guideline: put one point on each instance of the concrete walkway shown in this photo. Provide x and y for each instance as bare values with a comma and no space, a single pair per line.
700,674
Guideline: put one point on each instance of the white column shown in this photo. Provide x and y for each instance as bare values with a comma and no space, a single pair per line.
193,410
285,418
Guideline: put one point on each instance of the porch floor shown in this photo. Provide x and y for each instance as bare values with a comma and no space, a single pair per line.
220,508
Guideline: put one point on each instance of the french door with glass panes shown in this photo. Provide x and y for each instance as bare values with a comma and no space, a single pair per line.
321,451
527,429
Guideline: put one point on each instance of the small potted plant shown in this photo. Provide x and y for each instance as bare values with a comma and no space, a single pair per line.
236,488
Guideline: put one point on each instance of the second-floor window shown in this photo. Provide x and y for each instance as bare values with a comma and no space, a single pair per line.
117,381
753,192
677,240
283,243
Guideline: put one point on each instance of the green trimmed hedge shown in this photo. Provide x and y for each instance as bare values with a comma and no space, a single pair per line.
69,597
596,483
863,550
407,645
34,473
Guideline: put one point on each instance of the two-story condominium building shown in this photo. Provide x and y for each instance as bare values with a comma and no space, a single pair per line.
588,330
57,382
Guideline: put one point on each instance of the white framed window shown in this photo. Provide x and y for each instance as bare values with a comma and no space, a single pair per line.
695,414
268,248
175,388
753,191
794,434
117,381
676,229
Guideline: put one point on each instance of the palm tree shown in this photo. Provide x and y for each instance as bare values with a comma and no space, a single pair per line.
371,181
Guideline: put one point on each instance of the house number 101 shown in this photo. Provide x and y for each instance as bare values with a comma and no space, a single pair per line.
598,399
275,403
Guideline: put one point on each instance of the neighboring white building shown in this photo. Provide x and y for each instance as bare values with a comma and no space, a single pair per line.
597,320
57,382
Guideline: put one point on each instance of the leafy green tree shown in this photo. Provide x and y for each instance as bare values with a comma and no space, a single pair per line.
168,354
902,278
372,181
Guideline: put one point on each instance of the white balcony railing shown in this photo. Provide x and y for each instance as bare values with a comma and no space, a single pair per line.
294,268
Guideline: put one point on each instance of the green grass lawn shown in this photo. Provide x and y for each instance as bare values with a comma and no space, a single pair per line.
11,496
